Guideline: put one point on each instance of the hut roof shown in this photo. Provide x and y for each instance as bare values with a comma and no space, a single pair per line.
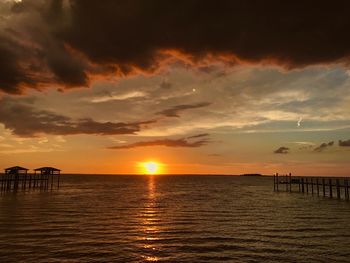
47,169
16,168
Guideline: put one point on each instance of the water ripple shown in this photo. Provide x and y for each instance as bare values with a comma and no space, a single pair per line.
171,219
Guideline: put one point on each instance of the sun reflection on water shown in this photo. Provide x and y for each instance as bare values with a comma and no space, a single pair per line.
149,226
151,259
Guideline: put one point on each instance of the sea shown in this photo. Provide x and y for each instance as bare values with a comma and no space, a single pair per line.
171,218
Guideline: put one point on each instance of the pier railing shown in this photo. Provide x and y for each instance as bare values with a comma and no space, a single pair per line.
333,187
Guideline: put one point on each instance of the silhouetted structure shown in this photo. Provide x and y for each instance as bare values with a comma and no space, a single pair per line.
45,175
13,178
18,178
324,186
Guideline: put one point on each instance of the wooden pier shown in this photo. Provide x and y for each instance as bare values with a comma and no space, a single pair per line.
333,187
17,178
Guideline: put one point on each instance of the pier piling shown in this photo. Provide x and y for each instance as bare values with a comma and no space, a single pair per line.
314,185
17,178
302,185
290,182
330,188
338,188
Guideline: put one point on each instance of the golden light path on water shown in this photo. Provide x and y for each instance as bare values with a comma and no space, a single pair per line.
150,217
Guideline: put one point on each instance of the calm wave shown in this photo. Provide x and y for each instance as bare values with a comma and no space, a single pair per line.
97,218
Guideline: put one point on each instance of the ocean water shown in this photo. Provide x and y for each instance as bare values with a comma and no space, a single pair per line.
99,218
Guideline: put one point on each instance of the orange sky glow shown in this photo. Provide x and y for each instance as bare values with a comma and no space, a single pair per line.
224,92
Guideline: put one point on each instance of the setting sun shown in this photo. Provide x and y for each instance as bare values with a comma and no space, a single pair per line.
151,167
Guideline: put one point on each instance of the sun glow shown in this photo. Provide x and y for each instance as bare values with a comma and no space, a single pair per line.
150,167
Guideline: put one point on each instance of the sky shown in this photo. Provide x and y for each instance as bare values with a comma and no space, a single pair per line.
200,87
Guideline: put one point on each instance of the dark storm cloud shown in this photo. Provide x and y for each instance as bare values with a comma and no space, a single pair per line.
344,143
183,142
63,39
11,73
289,32
175,111
282,150
324,146
32,54
67,69
26,121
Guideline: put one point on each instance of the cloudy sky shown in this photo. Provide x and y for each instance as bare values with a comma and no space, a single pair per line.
219,87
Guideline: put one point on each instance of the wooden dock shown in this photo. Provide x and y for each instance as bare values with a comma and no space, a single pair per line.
17,178
333,187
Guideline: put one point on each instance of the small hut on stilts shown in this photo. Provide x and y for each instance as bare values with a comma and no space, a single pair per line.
44,177
14,177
